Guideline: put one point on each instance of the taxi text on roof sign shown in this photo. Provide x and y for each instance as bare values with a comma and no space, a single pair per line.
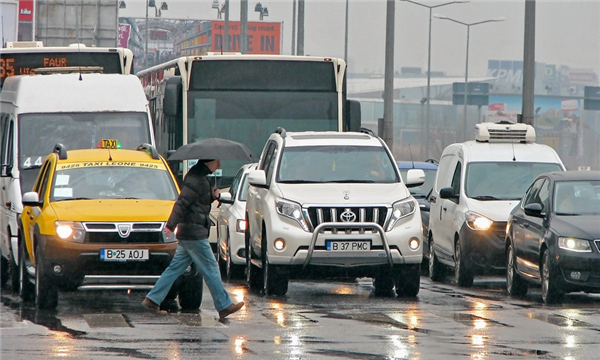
108,144
148,165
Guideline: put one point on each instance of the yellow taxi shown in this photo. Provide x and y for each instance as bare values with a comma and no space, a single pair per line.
95,220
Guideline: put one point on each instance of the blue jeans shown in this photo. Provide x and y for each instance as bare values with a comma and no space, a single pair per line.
200,252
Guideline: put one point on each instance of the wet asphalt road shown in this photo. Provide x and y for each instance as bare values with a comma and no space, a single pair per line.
316,320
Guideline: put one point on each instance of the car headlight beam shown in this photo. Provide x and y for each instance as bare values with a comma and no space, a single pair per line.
573,244
400,210
477,222
70,231
291,210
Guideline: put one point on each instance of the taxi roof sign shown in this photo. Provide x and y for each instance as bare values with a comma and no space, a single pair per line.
108,144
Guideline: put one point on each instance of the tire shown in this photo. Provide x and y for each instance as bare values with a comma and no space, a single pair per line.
437,271
384,283
552,284
254,276
515,285
464,277
14,275
408,281
25,286
46,291
3,271
275,278
190,290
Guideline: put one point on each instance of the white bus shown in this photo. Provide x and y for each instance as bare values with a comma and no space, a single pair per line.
23,58
245,98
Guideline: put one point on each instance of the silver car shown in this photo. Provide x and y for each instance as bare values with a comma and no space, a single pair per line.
231,226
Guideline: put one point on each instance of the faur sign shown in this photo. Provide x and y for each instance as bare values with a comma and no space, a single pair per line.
26,10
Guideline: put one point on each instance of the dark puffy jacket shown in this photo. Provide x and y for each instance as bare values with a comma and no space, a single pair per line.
192,208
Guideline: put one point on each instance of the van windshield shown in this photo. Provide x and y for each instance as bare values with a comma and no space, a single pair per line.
38,133
503,180
318,164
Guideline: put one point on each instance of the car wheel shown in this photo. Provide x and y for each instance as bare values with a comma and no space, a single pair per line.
552,291
25,285
253,274
3,270
464,277
46,291
408,281
384,283
275,278
14,275
515,285
191,289
437,271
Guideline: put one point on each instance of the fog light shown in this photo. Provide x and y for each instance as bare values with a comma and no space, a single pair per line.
279,244
414,243
57,269
575,275
242,253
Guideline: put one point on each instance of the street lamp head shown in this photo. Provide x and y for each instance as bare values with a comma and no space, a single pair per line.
439,16
122,5
164,6
215,4
152,3
258,7
500,18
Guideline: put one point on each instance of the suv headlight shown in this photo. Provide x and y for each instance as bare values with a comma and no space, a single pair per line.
70,230
291,210
573,244
476,221
401,209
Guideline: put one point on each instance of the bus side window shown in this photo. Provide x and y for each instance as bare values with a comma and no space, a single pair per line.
7,143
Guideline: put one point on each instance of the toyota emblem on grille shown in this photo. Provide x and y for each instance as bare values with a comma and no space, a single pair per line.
124,230
347,216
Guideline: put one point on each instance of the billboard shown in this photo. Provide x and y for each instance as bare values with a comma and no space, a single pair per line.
263,37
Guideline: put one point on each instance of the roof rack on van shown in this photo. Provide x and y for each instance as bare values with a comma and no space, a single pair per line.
69,69
280,131
149,149
23,44
366,131
504,131
61,150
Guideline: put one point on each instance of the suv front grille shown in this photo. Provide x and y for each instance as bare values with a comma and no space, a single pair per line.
319,215
123,233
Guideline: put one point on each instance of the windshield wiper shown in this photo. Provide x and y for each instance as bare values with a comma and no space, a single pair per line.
485,197
300,182
353,181
74,198
32,167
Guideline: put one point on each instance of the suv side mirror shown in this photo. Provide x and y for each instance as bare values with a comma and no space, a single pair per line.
31,199
448,193
415,177
257,178
534,209
226,198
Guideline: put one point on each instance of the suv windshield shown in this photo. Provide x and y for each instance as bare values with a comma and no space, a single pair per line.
107,182
336,164
503,180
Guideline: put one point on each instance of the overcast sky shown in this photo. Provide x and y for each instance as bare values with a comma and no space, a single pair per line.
567,32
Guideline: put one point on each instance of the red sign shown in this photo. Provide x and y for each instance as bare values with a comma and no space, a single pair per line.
26,10
496,107
124,31
263,37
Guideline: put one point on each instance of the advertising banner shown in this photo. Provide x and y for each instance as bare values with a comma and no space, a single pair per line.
26,10
263,37
124,32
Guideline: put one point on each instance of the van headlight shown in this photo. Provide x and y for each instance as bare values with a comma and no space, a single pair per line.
573,244
476,221
401,209
291,210
70,231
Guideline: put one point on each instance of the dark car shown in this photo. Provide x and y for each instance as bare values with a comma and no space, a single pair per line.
553,236
421,193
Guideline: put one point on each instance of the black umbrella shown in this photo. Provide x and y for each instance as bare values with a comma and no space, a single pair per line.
214,148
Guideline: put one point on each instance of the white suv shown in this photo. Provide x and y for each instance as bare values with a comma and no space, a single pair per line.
321,201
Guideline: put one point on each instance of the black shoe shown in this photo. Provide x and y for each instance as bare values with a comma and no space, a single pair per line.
230,310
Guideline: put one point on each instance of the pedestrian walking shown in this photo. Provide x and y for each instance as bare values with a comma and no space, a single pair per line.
190,216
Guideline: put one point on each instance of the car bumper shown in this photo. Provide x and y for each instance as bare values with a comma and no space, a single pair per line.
484,249
75,262
237,242
308,248
581,270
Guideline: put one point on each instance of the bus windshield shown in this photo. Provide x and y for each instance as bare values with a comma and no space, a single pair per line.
272,95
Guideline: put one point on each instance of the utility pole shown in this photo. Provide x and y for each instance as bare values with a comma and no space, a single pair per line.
294,29
226,35
300,50
244,26
529,63
388,88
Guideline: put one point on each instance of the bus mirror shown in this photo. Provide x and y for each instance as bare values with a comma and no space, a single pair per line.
353,115
172,101
6,171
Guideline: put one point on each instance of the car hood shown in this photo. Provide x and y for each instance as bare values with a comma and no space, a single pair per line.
344,193
582,226
496,210
113,210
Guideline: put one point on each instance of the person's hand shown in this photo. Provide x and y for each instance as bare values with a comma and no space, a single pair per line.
216,193
167,231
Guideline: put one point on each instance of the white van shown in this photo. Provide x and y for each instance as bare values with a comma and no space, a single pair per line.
75,109
478,183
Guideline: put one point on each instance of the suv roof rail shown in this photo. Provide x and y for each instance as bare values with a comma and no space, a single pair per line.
149,149
281,131
366,131
61,150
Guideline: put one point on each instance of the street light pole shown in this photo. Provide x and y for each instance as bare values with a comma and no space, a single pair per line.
146,40
425,125
468,25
